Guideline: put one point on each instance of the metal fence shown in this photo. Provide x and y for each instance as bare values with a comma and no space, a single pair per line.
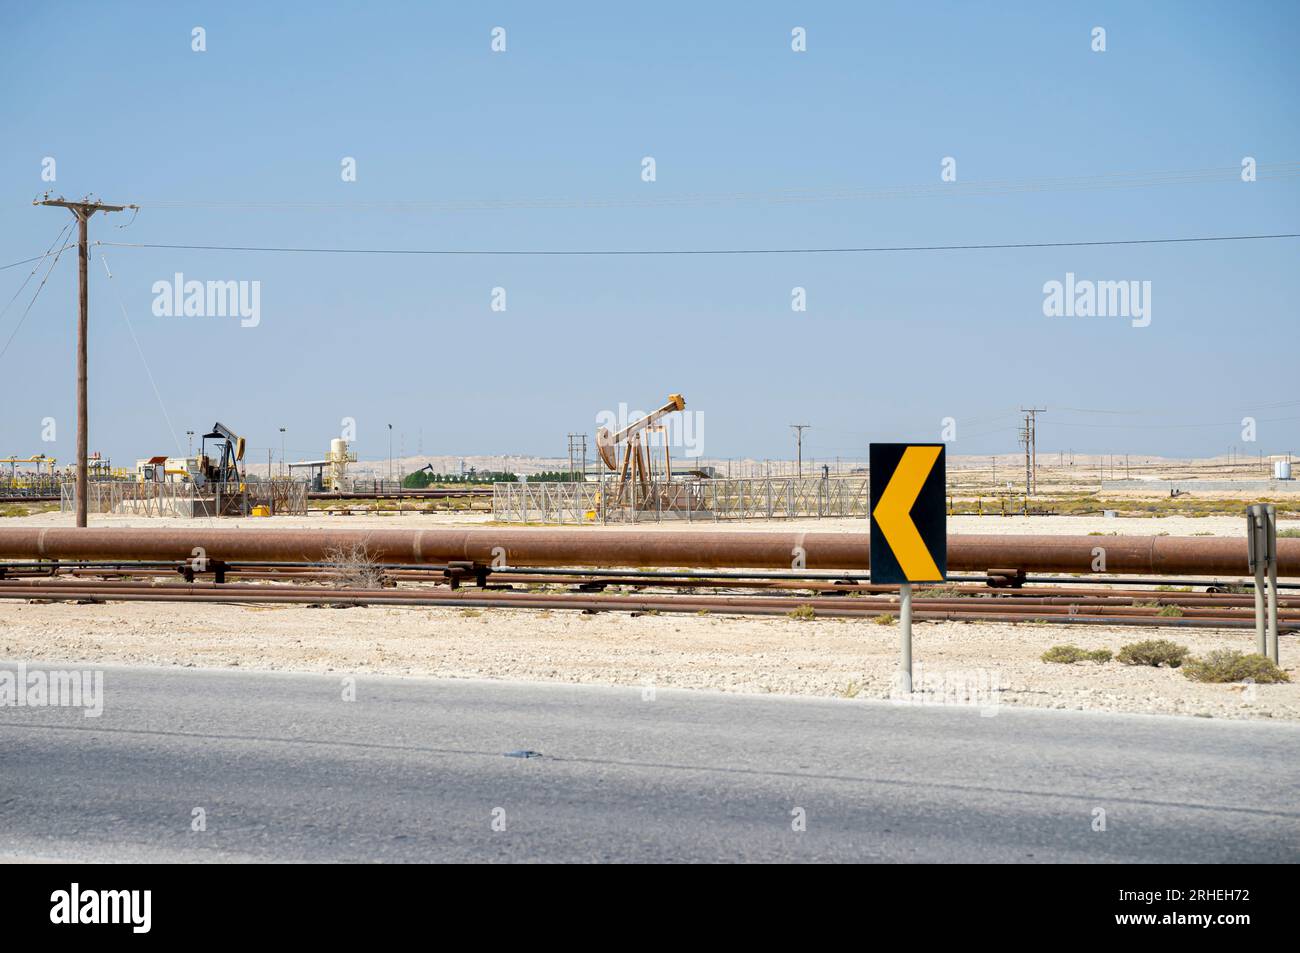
186,500
695,500
378,487
282,497
29,486
396,488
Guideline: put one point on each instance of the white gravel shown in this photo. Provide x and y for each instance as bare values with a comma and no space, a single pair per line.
991,663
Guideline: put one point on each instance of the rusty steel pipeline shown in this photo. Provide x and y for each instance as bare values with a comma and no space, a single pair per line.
1150,555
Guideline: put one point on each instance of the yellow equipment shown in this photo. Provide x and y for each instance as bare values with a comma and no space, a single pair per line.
201,469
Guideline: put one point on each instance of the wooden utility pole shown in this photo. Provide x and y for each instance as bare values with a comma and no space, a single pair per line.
798,445
82,210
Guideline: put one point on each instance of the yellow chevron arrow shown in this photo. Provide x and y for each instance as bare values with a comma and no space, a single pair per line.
893,511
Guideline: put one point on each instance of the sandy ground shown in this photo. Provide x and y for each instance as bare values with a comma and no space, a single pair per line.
988,663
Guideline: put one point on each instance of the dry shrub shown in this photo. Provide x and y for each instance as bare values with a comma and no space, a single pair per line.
1233,666
1069,654
354,567
1155,652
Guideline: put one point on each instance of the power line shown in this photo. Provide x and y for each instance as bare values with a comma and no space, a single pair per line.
792,195
1167,413
698,251
139,350
965,422
989,433
1270,420
52,251
28,310
58,238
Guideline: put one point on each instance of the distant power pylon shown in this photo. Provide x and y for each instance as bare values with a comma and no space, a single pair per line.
578,454
1029,438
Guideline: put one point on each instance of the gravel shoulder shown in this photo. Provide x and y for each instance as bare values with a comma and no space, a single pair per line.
987,664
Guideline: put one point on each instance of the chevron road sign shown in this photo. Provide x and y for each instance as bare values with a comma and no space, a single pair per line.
909,528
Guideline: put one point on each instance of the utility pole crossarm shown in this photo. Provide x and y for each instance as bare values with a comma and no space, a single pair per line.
84,208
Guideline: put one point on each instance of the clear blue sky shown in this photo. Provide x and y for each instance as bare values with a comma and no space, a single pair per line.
890,343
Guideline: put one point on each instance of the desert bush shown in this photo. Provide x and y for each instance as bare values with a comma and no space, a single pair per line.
1223,665
1154,652
938,592
1069,654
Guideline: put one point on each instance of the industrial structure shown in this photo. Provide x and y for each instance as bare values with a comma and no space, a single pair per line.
210,483
40,479
27,483
220,466
639,484
329,475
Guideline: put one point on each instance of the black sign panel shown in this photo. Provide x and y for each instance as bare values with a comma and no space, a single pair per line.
909,524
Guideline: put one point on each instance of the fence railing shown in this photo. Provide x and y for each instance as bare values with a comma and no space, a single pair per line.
185,500
693,500
395,487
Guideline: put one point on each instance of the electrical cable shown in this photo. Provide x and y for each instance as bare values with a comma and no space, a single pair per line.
700,251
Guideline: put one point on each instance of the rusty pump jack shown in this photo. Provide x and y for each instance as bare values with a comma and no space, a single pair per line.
226,470
635,465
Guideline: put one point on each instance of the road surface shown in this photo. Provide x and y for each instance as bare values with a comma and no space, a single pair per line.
281,768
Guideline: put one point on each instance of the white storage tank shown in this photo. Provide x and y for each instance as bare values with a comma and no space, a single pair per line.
1281,469
339,458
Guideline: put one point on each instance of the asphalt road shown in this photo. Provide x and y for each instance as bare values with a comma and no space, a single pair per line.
418,770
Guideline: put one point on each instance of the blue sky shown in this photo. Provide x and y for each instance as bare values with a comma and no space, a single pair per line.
890,344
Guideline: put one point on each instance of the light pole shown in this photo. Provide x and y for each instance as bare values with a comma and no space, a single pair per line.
282,457
190,434
390,452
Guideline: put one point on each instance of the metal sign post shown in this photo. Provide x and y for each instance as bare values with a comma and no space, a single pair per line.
1257,557
1270,531
1261,541
905,636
